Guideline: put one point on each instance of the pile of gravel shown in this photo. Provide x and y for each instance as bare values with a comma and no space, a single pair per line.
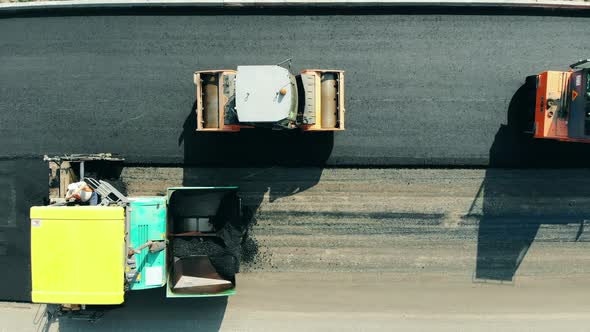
223,259
231,244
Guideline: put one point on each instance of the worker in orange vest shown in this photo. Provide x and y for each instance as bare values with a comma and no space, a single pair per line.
82,193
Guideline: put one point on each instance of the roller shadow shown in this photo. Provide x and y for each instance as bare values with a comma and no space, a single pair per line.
262,162
255,147
521,193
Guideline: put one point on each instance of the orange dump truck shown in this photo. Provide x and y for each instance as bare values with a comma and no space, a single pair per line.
271,97
562,104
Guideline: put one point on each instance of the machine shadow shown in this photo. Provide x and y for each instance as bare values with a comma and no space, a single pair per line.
521,193
261,162
150,310
254,147
23,183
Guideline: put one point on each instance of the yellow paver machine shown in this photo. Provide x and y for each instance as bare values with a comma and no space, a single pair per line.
187,241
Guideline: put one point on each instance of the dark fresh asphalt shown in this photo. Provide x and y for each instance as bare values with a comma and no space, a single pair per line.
428,89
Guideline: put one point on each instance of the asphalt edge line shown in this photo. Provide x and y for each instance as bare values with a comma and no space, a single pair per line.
98,4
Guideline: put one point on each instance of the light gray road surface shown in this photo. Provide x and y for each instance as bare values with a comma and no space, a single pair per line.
475,223
344,302
406,250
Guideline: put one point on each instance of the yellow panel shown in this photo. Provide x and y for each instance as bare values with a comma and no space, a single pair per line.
77,254
77,212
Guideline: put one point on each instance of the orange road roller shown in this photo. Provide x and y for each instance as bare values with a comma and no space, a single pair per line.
562,104
269,96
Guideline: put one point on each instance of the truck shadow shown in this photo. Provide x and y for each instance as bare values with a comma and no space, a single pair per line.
150,310
521,192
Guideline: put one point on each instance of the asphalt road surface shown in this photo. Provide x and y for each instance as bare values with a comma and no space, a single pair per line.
374,250
425,88
474,223
340,302
416,249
